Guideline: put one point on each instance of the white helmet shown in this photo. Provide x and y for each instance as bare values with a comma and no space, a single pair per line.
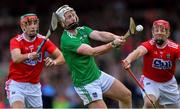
62,10
60,15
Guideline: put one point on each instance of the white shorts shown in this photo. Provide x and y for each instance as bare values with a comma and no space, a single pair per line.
29,94
94,91
165,93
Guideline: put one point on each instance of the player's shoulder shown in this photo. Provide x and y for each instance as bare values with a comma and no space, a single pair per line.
149,42
83,28
172,44
40,36
17,37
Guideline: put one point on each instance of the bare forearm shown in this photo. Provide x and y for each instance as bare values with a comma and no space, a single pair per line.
19,58
102,49
140,51
133,56
107,37
59,61
85,49
103,36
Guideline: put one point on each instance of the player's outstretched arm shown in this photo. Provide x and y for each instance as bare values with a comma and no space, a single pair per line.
138,52
103,36
17,57
86,49
59,59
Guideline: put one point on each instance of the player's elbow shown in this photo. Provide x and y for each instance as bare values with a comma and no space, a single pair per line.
60,60
63,61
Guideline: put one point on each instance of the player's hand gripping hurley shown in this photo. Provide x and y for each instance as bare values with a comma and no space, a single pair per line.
131,31
53,26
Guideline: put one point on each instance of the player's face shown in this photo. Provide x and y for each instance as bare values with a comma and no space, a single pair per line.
70,20
70,17
160,34
160,31
30,27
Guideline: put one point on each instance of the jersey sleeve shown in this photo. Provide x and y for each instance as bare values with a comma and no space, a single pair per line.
14,44
88,30
50,47
147,45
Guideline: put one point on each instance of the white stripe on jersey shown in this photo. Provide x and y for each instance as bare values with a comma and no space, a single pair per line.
41,36
172,44
19,38
169,43
151,42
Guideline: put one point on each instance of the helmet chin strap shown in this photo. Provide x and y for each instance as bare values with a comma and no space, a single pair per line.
72,26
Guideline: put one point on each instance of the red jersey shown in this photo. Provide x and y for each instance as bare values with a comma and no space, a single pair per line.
29,70
160,63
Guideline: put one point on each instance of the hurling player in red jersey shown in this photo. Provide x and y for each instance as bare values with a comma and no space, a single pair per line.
159,59
23,87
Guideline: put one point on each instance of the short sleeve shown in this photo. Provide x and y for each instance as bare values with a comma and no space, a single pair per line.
147,45
50,47
88,30
14,44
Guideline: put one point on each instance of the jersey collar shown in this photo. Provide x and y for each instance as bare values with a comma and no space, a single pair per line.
71,35
27,39
162,46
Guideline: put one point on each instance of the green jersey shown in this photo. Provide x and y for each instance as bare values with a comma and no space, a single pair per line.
83,67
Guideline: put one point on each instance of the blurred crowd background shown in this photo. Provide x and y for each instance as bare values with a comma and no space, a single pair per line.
108,15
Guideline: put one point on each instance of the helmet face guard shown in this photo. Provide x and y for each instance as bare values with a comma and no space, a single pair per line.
28,20
60,14
161,28
160,31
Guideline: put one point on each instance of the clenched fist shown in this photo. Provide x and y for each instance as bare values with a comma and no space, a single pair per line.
118,42
126,64
33,55
49,62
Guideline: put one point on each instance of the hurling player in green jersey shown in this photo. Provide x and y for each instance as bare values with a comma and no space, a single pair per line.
89,81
